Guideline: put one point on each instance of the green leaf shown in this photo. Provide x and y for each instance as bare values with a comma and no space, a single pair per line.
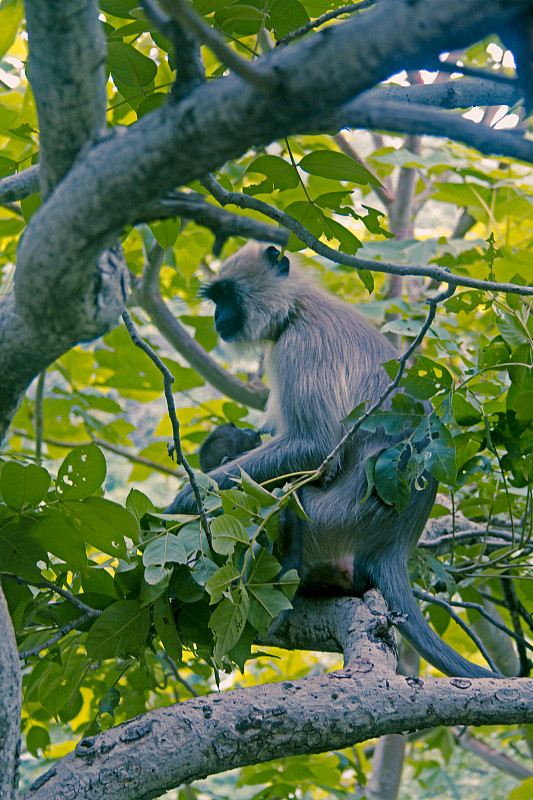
426,378
522,792
130,66
226,532
81,473
265,567
165,231
337,166
19,552
523,405
221,581
285,16
57,536
37,737
138,504
110,701
268,603
11,15
227,623
280,174
165,549
436,449
165,626
355,413
511,329
289,582
22,486
391,477
349,243
120,630
103,524
263,497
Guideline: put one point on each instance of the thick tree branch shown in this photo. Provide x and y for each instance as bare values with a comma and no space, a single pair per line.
213,733
457,93
224,224
20,185
346,59
10,705
67,58
411,118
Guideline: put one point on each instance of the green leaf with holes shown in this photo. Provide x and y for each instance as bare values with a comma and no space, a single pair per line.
82,473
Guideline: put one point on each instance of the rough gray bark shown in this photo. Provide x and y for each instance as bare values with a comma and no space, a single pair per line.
37,325
57,280
10,705
206,735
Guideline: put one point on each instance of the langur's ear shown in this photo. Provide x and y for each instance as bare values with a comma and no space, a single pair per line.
281,265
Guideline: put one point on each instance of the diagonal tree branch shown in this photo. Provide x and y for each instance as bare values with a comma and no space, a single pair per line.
440,274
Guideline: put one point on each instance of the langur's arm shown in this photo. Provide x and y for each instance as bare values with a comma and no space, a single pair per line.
278,456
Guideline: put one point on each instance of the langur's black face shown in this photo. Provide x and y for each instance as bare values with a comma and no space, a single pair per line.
229,313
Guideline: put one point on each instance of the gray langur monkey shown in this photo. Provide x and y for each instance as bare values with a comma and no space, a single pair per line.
323,359
225,443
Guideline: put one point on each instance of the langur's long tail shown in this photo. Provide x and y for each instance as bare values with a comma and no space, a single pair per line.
393,582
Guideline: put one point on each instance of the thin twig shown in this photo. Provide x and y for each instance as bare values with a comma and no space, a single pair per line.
467,536
185,16
64,593
316,23
512,602
174,669
113,448
475,72
38,415
60,634
168,380
442,274
518,637
475,638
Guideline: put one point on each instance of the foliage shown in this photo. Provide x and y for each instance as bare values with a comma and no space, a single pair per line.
162,602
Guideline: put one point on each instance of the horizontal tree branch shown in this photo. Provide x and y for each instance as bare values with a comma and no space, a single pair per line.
111,446
20,185
174,145
456,93
412,118
225,730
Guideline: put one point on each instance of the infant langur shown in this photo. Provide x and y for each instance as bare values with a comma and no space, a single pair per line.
323,358
225,443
